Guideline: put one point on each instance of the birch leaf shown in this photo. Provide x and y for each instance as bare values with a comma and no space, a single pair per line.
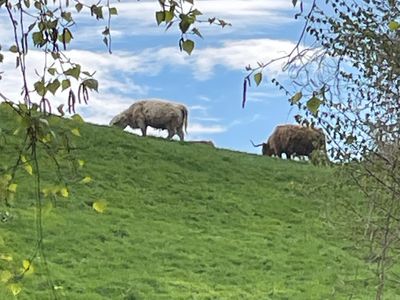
99,206
76,132
64,192
12,187
86,180
5,276
15,288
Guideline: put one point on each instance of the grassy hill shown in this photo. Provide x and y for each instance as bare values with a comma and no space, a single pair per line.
183,221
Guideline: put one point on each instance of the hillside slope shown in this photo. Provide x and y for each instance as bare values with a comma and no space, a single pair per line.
183,221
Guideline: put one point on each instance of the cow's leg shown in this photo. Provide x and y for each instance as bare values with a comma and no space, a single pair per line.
143,129
180,133
171,133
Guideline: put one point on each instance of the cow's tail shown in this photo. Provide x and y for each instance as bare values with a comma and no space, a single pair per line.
255,144
185,117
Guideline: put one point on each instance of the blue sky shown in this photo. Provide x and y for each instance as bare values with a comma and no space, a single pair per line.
146,63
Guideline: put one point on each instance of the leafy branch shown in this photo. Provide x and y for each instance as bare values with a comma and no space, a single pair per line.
186,16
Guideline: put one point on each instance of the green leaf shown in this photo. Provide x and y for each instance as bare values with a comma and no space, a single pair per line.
313,105
113,11
77,118
15,288
185,24
258,78
5,276
27,3
53,24
40,88
188,46
169,15
16,131
12,188
296,97
55,55
64,192
97,11
78,7
106,31
27,267
66,16
86,180
28,168
13,49
75,132
74,72
105,41
37,38
92,84
393,25
6,257
53,86
349,140
160,17
66,83
197,32
30,27
1,58
66,36
38,5
52,71
196,12
99,206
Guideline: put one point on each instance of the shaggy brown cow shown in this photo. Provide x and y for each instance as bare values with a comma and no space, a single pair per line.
293,140
155,113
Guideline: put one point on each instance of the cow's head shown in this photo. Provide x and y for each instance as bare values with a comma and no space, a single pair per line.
120,121
267,150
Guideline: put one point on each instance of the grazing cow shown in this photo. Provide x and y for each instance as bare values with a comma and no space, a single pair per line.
293,140
155,113
210,143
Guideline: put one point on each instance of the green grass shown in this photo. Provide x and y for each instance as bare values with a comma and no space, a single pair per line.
183,221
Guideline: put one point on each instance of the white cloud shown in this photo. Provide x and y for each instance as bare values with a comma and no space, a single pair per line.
236,54
116,93
203,98
196,128
198,107
117,72
137,18
137,15
231,54
245,13
261,97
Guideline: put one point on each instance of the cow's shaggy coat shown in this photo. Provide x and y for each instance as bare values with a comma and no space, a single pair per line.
293,140
155,113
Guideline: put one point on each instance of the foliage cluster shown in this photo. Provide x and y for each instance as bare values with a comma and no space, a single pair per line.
348,83
346,80
187,17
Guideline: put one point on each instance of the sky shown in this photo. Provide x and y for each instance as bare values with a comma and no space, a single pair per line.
146,63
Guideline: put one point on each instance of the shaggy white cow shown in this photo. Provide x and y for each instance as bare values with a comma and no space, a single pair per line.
155,113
